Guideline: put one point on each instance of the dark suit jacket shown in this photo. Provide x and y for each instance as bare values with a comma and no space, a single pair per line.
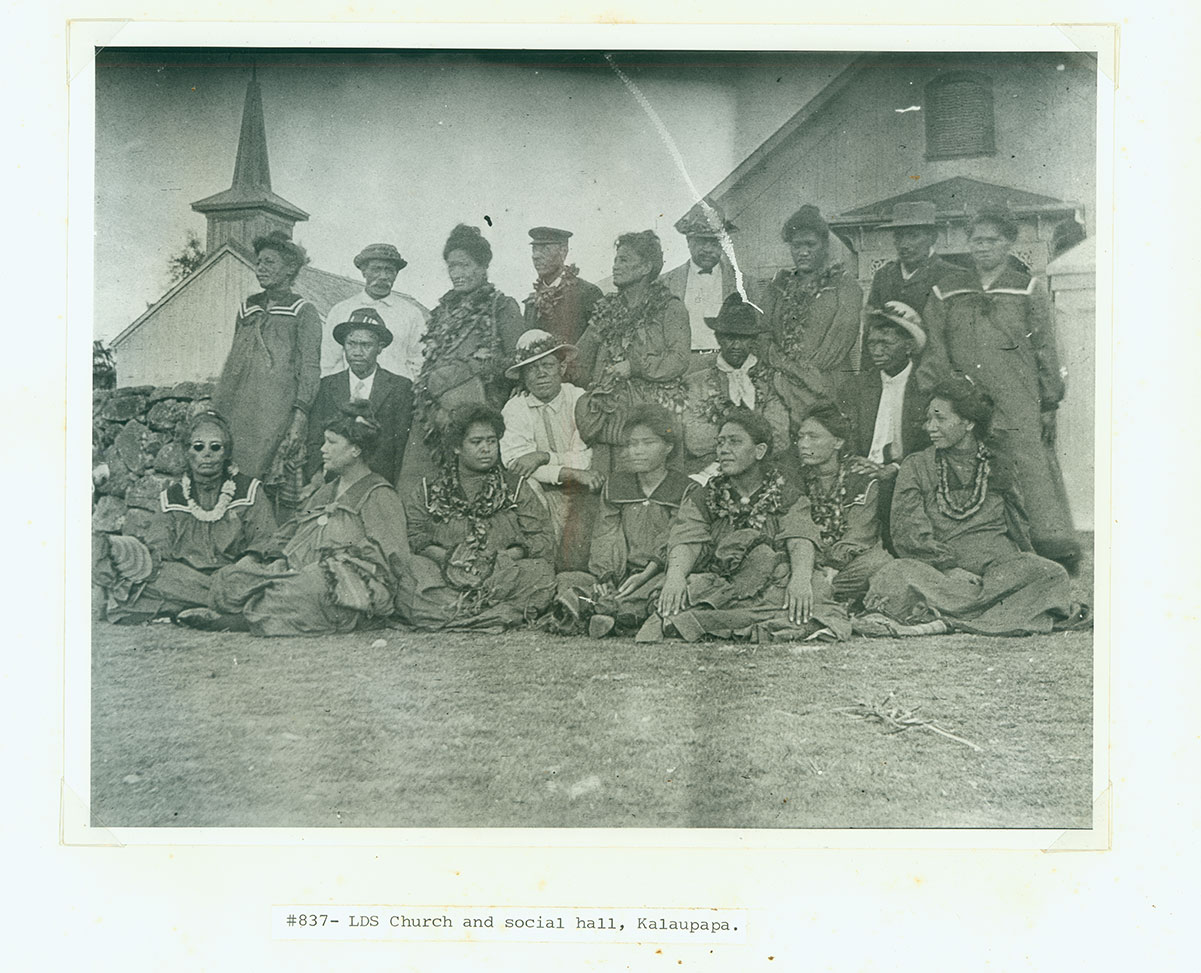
569,317
861,401
392,401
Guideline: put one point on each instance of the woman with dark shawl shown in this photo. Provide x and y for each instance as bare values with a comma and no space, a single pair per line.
481,540
469,341
965,561
343,555
635,350
207,520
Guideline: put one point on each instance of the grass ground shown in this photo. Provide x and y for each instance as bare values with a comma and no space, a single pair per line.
193,729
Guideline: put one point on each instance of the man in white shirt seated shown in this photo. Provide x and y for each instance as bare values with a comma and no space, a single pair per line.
379,264
707,279
542,441
884,405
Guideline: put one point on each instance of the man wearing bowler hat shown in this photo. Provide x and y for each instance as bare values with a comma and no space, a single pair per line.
910,278
561,302
364,336
707,279
379,264
732,377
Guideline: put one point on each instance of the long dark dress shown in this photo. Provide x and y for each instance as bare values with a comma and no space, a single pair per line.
187,551
813,322
468,343
655,338
343,558
481,587
1019,592
273,367
738,581
1003,337
630,533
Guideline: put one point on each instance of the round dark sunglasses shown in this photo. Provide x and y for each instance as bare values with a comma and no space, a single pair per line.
211,447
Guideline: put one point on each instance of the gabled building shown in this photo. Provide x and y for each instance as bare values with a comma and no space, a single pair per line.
186,334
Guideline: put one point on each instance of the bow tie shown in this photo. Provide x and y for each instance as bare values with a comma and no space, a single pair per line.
704,273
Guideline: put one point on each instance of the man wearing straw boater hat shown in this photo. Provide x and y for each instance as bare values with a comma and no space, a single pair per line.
887,412
910,278
707,279
364,336
561,301
733,377
404,316
541,439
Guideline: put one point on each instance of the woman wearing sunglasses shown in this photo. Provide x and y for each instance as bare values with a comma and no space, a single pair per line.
208,519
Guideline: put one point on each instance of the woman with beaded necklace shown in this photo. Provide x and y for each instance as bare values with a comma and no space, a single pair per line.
207,520
961,534
843,504
740,556
481,540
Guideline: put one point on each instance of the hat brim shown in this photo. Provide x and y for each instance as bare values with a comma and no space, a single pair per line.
917,334
513,372
717,327
398,262
341,330
910,224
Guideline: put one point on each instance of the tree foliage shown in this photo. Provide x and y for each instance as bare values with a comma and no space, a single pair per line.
184,261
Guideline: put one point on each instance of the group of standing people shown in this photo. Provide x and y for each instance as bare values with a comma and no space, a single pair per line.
693,455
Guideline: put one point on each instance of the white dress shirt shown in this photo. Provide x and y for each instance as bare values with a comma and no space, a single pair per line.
889,425
360,388
530,426
702,297
403,315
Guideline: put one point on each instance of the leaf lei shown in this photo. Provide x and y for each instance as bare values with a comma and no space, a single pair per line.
446,500
827,509
228,488
546,297
799,294
726,503
978,492
456,320
713,408
616,325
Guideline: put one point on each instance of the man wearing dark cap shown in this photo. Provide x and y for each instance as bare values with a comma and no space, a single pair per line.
732,378
707,279
916,270
379,264
561,302
363,336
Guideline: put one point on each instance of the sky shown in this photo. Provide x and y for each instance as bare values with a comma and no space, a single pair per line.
398,147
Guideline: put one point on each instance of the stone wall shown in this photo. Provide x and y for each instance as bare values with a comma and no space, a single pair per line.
138,448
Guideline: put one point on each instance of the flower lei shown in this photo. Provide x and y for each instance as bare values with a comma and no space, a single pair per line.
616,325
546,297
446,500
799,293
228,488
979,489
827,509
725,503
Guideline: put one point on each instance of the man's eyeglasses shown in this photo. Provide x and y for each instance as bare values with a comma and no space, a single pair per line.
211,447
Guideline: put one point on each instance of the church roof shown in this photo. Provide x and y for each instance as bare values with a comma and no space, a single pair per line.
251,187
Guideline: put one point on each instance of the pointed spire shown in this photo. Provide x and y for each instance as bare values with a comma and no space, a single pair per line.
252,170
248,208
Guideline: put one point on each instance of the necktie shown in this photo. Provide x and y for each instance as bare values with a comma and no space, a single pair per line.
742,388
552,443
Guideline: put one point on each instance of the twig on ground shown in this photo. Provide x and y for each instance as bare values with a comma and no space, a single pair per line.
895,719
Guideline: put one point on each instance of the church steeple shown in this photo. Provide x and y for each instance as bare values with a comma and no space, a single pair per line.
248,208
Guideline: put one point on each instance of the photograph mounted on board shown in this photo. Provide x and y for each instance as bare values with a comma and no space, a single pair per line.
690,439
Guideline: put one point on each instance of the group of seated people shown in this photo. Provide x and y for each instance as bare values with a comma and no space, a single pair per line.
606,476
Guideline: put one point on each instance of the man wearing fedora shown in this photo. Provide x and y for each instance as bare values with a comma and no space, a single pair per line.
733,377
561,301
364,336
910,278
379,264
542,441
707,279
886,409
